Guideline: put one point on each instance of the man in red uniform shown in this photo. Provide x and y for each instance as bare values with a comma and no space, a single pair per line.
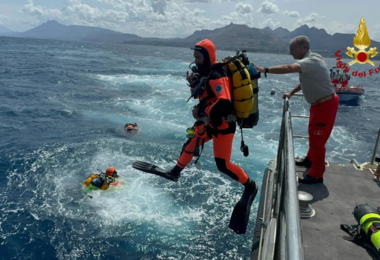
319,92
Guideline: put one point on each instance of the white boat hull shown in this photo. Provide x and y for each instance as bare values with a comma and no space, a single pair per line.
344,97
349,93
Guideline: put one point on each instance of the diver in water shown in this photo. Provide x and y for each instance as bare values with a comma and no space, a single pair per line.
101,181
129,127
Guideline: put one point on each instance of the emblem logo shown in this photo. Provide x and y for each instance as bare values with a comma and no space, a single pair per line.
218,88
318,132
362,42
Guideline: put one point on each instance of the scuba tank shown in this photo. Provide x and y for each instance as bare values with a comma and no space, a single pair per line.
97,182
244,82
367,232
253,118
369,220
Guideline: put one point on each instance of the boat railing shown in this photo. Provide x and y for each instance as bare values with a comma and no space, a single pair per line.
375,148
281,229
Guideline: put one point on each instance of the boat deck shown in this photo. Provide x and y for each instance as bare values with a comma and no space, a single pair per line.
334,200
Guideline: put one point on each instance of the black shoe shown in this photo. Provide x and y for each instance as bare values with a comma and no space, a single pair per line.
305,162
310,180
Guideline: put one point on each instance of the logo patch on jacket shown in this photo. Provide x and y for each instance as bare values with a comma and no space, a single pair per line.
218,88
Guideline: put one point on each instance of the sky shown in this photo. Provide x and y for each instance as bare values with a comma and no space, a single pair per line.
180,18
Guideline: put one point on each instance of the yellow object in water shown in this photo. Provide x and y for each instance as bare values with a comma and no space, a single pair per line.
88,181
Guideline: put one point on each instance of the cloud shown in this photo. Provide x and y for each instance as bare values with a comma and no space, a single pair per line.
309,19
293,14
269,23
40,11
243,14
198,1
243,8
268,8
4,20
75,2
375,33
159,6
208,1
157,18
338,27
198,12
147,18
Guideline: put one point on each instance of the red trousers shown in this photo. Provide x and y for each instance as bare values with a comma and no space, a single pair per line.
222,152
321,122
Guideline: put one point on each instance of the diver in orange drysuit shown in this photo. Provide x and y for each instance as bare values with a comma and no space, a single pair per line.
215,104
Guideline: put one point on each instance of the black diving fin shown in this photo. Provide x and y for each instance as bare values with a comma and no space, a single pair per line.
153,169
240,215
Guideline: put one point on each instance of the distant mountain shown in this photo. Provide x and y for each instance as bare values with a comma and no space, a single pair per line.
230,37
317,37
339,40
55,30
278,32
234,36
240,36
320,40
4,30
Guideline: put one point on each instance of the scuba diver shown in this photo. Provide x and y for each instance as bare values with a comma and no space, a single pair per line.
129,127
101,181
210,84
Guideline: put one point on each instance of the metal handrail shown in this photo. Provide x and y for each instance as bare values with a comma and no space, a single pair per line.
284,227
292,212
375,150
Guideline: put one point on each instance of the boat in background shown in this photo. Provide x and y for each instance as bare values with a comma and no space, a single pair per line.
345,92
349,93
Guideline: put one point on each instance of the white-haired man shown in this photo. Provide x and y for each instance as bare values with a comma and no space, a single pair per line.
319,92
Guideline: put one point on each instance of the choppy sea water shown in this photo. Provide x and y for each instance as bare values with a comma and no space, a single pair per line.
62,111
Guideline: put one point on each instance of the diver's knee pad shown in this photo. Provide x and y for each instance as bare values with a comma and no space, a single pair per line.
221,164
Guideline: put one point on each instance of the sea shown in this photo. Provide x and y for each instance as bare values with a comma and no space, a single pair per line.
63,107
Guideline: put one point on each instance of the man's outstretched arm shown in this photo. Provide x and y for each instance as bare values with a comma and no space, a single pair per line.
281,69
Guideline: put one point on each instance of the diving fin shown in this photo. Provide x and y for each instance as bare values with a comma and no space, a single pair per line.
240,215
153,169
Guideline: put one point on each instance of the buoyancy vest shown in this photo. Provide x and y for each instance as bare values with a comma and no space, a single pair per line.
98,181
244,82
